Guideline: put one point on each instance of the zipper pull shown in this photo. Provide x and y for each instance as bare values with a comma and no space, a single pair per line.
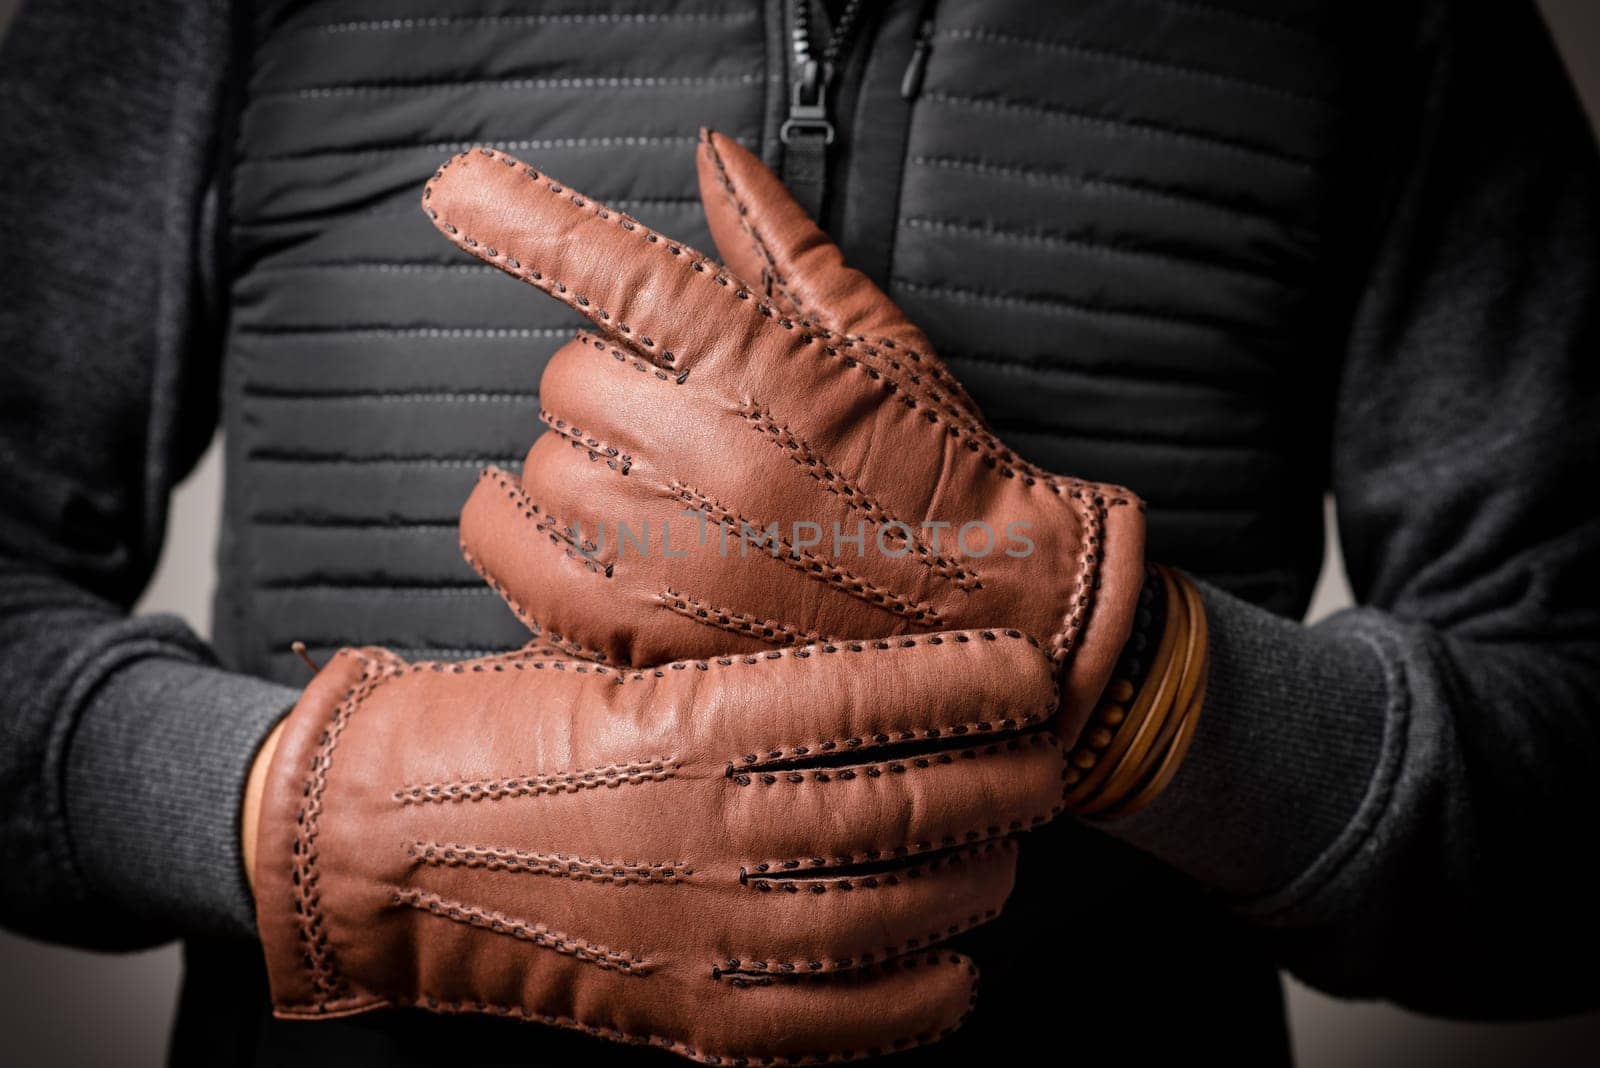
911,83
806,135
808,108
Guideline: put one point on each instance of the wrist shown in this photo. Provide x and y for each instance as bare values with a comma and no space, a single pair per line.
1142,726
250,806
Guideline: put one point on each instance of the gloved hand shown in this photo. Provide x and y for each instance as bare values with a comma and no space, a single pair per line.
785,389
749,857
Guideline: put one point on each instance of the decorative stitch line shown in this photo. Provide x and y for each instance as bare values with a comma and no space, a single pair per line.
631,773
555,17
1170,196
801,452
1264,22
1133,127
1061,305
312,459
560,535
1133,60
430,333
772,631
326,92
657,363
1101,249
443,396
811,564
1091,512
539,934
614,458
437,147
562,865
519,661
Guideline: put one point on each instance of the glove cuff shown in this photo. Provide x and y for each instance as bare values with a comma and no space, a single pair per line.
289,914
1101,604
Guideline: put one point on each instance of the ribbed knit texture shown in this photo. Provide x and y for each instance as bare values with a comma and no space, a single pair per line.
153,790
1286,749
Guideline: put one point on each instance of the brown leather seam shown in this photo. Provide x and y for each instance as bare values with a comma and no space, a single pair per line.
749,972
910,852
312,928
756,238
560,865
693,1053
539,934
813,566
1091,521
614,458
517,661
527,618
677,378
534,651
801,652
560,535
798,879
630,773
772,631
955,730
831,479
907,766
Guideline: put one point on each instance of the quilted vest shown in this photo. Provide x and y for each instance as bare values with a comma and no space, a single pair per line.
1130,226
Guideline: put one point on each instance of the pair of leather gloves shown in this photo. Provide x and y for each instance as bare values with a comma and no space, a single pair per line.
752,775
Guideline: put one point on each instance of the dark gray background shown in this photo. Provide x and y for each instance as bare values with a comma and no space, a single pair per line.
62,1007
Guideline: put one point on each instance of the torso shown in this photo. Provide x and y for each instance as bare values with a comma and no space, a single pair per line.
1125,223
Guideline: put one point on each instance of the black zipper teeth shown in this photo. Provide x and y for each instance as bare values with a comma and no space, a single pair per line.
842,32
800,34
838,41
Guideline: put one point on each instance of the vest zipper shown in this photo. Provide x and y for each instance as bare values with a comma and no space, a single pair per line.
808,130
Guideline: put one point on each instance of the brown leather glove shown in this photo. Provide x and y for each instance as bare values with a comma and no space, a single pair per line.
783,389
748,857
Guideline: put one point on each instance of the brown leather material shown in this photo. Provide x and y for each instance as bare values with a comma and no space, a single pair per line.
749,857
700,394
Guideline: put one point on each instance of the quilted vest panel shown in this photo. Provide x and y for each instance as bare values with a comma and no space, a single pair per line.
1129,225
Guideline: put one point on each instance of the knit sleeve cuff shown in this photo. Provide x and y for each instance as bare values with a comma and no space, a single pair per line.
154,776
1289,743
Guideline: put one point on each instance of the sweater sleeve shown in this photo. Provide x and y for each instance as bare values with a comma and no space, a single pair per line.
1403,795
123,749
